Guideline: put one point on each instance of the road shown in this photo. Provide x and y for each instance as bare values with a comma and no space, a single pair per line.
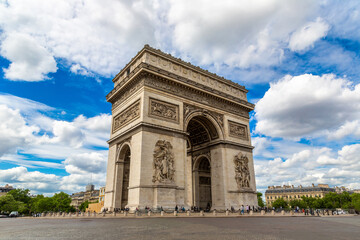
183,228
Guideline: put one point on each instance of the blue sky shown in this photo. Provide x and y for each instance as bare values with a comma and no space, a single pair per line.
298,59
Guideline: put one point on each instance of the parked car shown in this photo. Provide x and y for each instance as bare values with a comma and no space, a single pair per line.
14,214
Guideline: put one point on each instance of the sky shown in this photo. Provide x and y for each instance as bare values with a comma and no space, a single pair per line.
298,59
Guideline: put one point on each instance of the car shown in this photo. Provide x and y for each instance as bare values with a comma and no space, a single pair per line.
14,214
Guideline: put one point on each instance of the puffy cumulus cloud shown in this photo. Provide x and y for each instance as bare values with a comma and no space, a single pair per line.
84,163
97,36
308,105
313,165
29,60
45,142
66,133
14,131
306,36
36,181
237,33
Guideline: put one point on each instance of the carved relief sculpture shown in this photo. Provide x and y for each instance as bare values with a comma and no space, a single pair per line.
163,110
238,130
126,116
242,172
163,162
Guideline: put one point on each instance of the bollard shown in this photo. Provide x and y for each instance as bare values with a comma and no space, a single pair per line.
175,213
162,213
149,213
262,212
188,213
214,212
114,214
201,213
227,213
251,212
273,212
282,212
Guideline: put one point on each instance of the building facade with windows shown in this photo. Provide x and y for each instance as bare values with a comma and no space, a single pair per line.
91,195
289,193
4,190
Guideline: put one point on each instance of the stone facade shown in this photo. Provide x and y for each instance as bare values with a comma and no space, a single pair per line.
289,193
4,190
180,136
91,195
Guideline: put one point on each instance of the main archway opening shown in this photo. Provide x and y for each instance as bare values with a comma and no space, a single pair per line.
126,175
201,132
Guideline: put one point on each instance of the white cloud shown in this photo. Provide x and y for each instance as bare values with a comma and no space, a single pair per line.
349,128
306,106
14,132
306,36
97,36
313,165
29,60
84,163
30,139
38,182
237,33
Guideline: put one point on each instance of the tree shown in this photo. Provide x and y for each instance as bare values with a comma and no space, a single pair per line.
260,200
84,206
43,204
62,202
297,203
9,204
355,201
22,195
280,203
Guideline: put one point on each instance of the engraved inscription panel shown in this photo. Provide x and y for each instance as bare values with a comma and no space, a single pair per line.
238,130
163,110
126,116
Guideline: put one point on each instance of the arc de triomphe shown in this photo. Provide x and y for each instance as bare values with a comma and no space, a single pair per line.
180,136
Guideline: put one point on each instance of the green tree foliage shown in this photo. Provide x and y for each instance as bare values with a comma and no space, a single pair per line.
260,200
355,201
297,203
22,195
280,203
20,200
84,206
8,204
62,202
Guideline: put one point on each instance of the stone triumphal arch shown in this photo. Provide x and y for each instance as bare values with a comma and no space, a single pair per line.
180,136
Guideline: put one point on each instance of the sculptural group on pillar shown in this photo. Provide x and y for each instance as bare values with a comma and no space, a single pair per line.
242,172
163,162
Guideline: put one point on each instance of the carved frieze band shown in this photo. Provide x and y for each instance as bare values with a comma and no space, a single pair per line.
127,92
194,95
126,116
163,110
189,109
179,90
238,130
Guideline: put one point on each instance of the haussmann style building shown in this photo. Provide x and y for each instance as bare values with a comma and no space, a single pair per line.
289,193
180,136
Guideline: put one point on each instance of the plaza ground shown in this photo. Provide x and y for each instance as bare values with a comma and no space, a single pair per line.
336,227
